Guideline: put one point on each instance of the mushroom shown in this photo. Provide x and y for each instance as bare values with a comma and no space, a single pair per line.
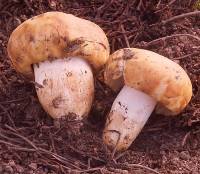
60,51
145,80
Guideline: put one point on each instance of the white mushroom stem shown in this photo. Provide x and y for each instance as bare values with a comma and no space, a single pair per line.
129,113
65,87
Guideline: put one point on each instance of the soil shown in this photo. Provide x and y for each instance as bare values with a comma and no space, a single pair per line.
30,143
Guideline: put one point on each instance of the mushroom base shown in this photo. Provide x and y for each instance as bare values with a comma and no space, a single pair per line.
129,113
65,87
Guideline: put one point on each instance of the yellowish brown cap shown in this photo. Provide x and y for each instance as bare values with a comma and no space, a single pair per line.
54,35
153,74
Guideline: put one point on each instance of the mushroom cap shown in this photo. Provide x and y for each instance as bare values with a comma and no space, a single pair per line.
54,35
153,74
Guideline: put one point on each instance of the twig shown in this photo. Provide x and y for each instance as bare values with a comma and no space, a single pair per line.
52,143
15,100
45,161
158,4
194,13
16,147
8,138
125,37
139,166
196,132
166,6
153,129
84,154
185,139
28,5
140,5
59,158
22,149
41,150
120,155
92,169
114,150
22,137
58,131
89,163
113,44
186,56
8,114
169,37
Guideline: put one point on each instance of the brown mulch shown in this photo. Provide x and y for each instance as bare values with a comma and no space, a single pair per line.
29,141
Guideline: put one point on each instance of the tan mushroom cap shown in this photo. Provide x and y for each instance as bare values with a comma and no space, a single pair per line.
153,74
55,35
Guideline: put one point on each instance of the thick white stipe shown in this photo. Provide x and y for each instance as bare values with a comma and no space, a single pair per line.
129,113
67,86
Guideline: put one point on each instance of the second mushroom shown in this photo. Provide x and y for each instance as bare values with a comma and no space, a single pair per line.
145,79
60,52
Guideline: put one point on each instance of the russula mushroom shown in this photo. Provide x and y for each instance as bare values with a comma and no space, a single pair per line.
60,51
145,79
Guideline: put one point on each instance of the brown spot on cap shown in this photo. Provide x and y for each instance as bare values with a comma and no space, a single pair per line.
19,60
31,38
56,102
102,45
45,81
128,54
74,45
65,39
